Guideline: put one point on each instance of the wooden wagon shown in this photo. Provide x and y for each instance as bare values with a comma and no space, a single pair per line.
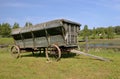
52,37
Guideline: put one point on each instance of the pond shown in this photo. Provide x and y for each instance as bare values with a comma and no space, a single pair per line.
103,45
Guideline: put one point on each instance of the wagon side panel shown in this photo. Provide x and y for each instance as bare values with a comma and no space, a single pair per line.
41,42
18,39
71,33
27,39
28,43
56,36
57,39
19,43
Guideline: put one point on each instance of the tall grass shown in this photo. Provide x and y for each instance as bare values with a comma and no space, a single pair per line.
6,41
70,67
76,67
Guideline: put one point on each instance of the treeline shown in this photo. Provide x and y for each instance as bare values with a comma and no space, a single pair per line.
5,28
100,32
95,33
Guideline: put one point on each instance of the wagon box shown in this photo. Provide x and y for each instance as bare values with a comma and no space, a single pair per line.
54,35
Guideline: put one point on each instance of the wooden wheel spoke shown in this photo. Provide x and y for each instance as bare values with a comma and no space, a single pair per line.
54,52
15,51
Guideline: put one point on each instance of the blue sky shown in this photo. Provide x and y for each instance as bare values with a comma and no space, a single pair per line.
94,13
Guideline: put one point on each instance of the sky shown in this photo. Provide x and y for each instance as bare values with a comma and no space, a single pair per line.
94,13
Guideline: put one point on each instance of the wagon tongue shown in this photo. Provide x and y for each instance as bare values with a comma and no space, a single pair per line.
86,54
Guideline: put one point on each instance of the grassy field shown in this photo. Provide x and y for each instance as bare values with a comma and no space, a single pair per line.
75,67
102,41
70,67
6,41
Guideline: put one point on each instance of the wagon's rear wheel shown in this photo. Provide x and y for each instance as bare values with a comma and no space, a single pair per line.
15,51
53,52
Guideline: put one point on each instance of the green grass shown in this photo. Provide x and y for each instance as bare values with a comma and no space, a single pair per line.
72,67
6,41
102,41
76,67
114,41
117,36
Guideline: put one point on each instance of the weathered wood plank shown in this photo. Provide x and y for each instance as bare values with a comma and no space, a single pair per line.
86,54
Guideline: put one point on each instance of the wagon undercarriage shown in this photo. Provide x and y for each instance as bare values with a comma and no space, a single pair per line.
52,52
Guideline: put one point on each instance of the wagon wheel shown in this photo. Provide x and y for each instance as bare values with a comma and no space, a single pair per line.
53,52
15,51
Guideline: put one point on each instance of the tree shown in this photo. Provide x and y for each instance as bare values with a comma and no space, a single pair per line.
0,29
110,33
28,24
85,32
5,30
93,33
16,25
117,30
101,32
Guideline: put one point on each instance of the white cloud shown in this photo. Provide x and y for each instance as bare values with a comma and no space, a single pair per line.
23,20
9,20
111,4
19,5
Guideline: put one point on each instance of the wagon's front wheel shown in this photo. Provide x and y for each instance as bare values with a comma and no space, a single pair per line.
15,51
53,52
